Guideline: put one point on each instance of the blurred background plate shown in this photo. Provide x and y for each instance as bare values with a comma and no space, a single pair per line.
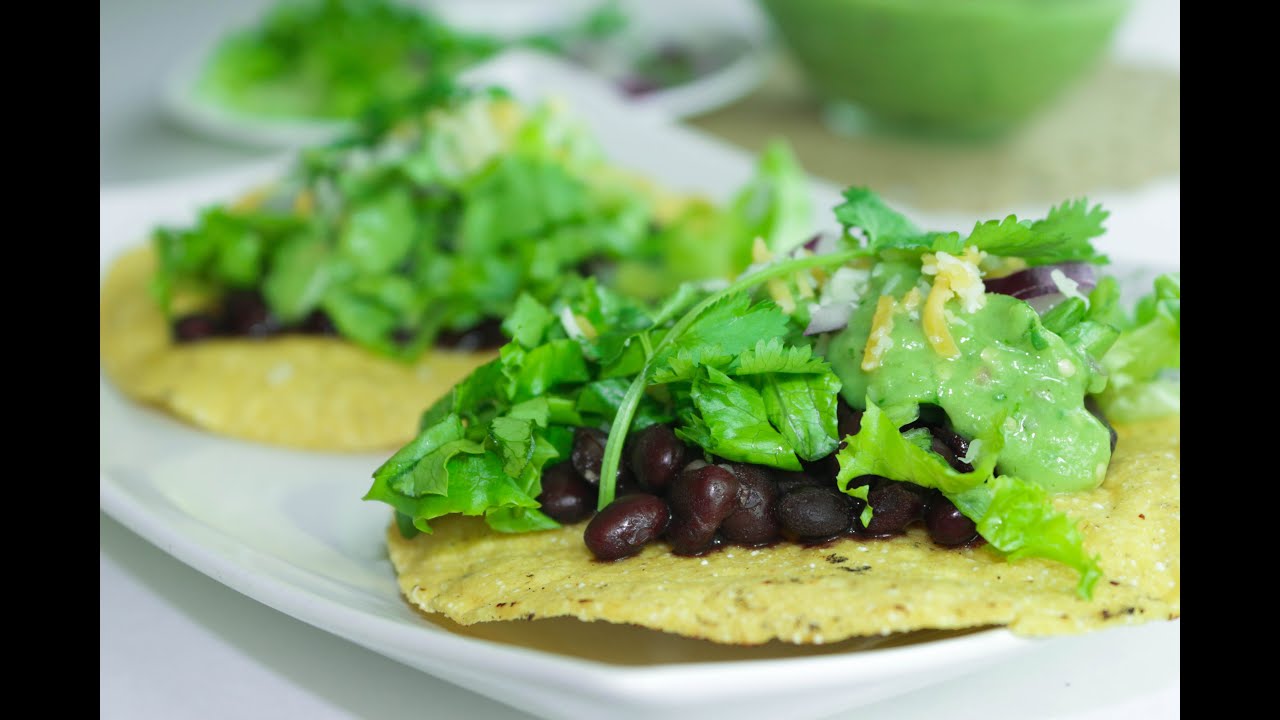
678,64
725,43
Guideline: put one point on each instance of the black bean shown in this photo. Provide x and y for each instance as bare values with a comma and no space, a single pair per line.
788,480
951,446
894,506
402,336
946,524
824,469
848,420
197,326
626,525
588,454
1091,404
565,497
815,513
246,313
596,266
928,417
318,323
484,335
752,521
701,497
656,456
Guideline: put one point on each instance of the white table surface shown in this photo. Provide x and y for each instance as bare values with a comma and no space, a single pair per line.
174,643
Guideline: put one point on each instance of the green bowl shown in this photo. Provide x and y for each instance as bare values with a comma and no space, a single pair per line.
952,67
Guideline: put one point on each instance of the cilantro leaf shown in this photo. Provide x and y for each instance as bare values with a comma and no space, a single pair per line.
803,408
476,486
297,281
378,231
732,324
534,372
775,356
528,322
1064,236
863,209
420,468
735,417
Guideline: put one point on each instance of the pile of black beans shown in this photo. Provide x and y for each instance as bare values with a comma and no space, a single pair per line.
244,313
666,491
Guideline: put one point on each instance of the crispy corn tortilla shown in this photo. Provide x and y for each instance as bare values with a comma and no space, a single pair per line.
815,595
309,392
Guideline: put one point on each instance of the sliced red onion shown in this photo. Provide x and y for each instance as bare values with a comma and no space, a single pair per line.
1045,303
825,318
821,243
1040,282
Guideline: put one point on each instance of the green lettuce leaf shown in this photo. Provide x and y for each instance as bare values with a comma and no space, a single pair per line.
1018,519
775,204
879,448
1149,345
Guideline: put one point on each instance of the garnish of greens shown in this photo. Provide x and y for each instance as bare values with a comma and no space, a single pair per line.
742,373
441,214
338,59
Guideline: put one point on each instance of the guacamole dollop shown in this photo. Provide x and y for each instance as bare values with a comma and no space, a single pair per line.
1001,383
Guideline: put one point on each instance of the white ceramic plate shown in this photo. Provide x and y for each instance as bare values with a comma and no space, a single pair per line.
730,24
288,528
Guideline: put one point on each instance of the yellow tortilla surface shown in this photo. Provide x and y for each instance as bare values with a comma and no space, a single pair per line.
815,595
309,392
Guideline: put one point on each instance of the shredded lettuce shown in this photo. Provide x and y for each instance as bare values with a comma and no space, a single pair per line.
880,449
776,205
1140,363
1018,519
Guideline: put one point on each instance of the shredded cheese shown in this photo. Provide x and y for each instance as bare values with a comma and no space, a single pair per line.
588,330
304,203
954,276
880,340
996,266
778,288
935,320
911,303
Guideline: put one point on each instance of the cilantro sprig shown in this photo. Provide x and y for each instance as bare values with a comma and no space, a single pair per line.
1066,234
